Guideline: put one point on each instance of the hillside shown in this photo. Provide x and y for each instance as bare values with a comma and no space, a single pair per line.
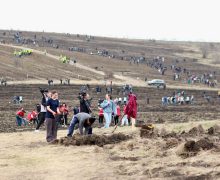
184,140
117,61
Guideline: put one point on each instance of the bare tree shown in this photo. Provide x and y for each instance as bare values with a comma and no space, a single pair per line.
205,50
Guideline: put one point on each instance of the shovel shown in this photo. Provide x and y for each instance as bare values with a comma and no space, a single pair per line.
117,124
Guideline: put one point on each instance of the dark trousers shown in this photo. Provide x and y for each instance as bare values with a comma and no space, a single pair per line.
65,119
41,119
129,121
34,121
101,119
72,126
51,128
62,119
116,119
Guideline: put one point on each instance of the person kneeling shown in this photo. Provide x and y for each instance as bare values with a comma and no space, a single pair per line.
20,120
84,120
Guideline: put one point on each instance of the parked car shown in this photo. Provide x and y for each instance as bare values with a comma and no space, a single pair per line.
156,82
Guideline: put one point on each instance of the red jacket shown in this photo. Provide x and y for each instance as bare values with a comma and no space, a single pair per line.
101,113
20,113
118,111
131,108
124,109
32,115
63,110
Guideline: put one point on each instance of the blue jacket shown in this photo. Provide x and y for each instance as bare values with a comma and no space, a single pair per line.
108,107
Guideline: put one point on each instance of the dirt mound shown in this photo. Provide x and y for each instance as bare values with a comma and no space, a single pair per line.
191,148
170,135
118,158
139,123
147,131
171,143
196,131
99,140
148,127
211,131
214,129
205,144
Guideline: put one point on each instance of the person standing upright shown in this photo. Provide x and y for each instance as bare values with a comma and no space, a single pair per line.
85,103
109,108
131,108
52,112
43,109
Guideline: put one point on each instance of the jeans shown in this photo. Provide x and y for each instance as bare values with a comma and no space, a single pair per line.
124,120
72,126
108,119
24,121
20,121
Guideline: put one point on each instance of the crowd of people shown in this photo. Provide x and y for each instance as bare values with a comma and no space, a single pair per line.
206,79
54,114
158,64
181,73
177,98
3,82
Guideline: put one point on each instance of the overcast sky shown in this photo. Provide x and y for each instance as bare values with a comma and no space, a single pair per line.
194,20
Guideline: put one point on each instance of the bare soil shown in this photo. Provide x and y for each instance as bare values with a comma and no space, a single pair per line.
26,155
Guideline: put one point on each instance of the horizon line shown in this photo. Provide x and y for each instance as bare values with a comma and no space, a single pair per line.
119,37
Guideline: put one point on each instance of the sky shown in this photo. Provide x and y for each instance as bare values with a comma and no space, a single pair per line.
181,20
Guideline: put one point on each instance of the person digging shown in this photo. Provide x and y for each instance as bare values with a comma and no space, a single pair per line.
84,120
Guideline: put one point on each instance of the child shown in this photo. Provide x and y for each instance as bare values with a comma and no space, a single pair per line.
32,117
64,113
101,117
20,117
125,118
118,114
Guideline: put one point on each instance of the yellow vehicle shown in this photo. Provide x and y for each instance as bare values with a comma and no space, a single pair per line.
64,59
23,52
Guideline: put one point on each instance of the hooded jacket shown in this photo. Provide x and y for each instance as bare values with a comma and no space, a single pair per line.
131,107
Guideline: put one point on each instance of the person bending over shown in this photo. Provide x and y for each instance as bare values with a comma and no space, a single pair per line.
84,120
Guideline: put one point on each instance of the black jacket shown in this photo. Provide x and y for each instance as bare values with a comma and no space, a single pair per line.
43,100
85,106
